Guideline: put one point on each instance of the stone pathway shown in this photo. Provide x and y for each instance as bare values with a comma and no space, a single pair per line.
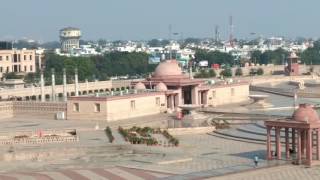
113,173
276,173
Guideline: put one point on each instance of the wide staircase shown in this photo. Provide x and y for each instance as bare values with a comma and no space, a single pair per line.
252,133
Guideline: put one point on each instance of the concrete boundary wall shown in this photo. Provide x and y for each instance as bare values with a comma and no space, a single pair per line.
191,130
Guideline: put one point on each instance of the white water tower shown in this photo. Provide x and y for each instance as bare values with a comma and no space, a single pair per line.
69,38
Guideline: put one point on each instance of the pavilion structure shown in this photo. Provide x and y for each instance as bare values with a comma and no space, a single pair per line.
180,88
301,136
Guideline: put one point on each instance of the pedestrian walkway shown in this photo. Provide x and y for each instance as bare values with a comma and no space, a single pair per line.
113,173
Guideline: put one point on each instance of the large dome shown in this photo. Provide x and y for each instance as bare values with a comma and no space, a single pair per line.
305,113
168,68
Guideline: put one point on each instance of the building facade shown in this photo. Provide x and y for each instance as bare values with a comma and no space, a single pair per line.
111,108
69,39
17,61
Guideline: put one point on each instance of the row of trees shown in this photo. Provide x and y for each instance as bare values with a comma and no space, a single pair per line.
95,67
227,72
214,57
101,67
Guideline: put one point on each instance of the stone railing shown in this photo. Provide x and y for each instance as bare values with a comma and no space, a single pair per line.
14,108
38,137
39,140
41,107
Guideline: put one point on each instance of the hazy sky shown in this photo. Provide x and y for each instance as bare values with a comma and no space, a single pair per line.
146,19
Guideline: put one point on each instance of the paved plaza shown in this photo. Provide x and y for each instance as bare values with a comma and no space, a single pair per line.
198,156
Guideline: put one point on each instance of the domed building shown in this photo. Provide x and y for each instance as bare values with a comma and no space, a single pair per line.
166,90
303,129
182,89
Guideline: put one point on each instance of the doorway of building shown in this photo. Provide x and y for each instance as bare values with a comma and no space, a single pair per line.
186,93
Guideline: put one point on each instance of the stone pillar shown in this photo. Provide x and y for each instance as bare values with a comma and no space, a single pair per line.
293,140
269,155
87,86
318,144
172,102
190,72
278,143
287,143
76,85
299,147
42,87
53,84
194,94
309,146
303,142
64,85
179,97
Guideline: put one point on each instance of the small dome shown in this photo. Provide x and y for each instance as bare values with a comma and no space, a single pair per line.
140,86
293,55
305,113
168,68
161,87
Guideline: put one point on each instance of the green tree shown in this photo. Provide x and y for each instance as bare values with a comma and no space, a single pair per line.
212,73
312,54
214,57
202,74
226,72
12,75
269,57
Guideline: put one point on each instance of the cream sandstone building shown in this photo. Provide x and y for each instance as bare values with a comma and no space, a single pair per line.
166,90
14,60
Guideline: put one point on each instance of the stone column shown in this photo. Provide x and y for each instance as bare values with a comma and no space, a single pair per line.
76,85
293,140
87,85
53,84
318,144
64,85
42,87
179,97
172,102
299,146
309,146
195,96
269,155
303,142
190,72
278,143
287,143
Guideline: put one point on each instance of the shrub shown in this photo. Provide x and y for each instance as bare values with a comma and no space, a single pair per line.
212,73
253,71
226,73
202,74
109,134
239,72
260,71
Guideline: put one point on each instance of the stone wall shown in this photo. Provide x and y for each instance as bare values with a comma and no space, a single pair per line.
116,107
228,94
35,109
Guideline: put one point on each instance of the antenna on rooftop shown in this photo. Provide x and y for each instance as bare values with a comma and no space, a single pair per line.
231,31
170,32
216,33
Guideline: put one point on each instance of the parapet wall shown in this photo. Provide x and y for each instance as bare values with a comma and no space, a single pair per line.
36,109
